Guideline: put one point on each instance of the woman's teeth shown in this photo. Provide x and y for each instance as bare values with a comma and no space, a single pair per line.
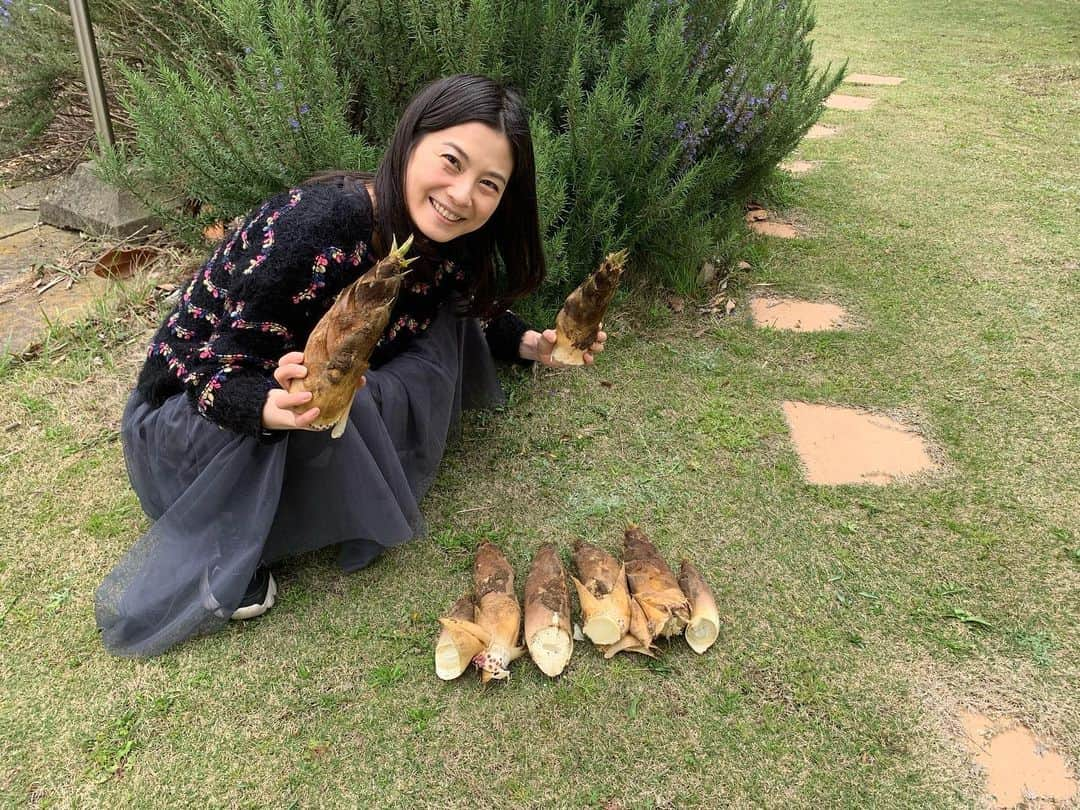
445,212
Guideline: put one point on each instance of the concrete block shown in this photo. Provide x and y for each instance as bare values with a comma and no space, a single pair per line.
84,203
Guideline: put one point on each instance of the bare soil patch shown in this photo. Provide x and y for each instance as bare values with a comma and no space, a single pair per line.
873,79
842,445
766,223
796,315
819,131
1020,769
800,166
840,101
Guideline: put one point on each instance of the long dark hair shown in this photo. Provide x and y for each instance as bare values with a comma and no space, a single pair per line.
504,259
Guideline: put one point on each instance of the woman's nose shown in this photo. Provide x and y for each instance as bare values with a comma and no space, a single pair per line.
461,192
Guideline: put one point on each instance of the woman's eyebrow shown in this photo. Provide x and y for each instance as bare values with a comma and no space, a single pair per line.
465,157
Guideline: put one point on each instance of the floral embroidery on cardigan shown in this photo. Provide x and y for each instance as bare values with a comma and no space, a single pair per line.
268,231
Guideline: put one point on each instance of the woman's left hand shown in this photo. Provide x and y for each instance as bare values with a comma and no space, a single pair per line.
538,346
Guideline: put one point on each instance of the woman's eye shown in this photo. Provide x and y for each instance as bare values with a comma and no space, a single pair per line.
493,186
452,159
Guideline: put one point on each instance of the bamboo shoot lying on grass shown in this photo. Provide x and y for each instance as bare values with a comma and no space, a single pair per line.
578,322
456,646
653,586
338,349
498,615
704,625
547,612
602,592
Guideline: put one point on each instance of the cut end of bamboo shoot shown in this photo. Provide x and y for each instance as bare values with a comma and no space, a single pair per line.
701,633
604,629
567,354
551,649
704,625
459,641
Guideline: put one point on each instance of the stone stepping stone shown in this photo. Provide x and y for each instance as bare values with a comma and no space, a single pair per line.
840,445
799,166
23,247
873,80
1020,768
16,221
840,101
25,317
796,315
766,223
819,131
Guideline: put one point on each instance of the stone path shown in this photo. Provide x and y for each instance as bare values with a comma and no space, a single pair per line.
43,271
843,444
837,444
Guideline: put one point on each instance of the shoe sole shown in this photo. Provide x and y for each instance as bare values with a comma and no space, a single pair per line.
251,611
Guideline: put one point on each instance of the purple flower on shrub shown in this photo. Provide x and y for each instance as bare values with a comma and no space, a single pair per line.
305,109
278,85
737,119
294,124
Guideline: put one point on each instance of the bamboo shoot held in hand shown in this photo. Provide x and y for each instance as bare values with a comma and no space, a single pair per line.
337,351
547,612
578,322
457,645
704,625
602,592
653,585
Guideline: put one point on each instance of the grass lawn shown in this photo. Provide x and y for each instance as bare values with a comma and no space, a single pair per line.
945,219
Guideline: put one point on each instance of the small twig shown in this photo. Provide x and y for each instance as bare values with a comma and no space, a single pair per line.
21,230
52,284
472,509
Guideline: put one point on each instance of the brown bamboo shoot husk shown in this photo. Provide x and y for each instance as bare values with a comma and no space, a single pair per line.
704,625
654,586
547,612
497,613
603,594
338,349
578,322
457,644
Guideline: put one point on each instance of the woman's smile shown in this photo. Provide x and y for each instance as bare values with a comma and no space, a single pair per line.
445,212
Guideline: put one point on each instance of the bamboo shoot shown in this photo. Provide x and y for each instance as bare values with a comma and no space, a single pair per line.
579,320
704,625
547,612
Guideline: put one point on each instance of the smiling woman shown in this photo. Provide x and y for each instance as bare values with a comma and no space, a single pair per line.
455,179
222,453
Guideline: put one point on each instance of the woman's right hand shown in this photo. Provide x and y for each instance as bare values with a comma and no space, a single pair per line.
282,410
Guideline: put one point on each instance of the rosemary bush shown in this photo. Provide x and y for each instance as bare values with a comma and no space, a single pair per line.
654,120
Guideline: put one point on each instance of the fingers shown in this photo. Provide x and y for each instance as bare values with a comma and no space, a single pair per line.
284,400
307,417
289,371
291,357
549,335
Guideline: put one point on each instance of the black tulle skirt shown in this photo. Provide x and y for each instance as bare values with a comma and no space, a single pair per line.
222,503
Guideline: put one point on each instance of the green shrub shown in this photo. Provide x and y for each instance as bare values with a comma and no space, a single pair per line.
654,120
33,70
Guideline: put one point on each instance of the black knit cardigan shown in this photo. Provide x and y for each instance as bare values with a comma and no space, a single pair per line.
264,288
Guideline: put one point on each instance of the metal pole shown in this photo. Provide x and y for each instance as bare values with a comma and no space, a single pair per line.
95,87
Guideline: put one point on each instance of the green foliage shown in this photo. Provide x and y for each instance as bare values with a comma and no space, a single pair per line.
32,69
39,64
280,116
654,121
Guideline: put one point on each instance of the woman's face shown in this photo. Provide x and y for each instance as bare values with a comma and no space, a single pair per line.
455,178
